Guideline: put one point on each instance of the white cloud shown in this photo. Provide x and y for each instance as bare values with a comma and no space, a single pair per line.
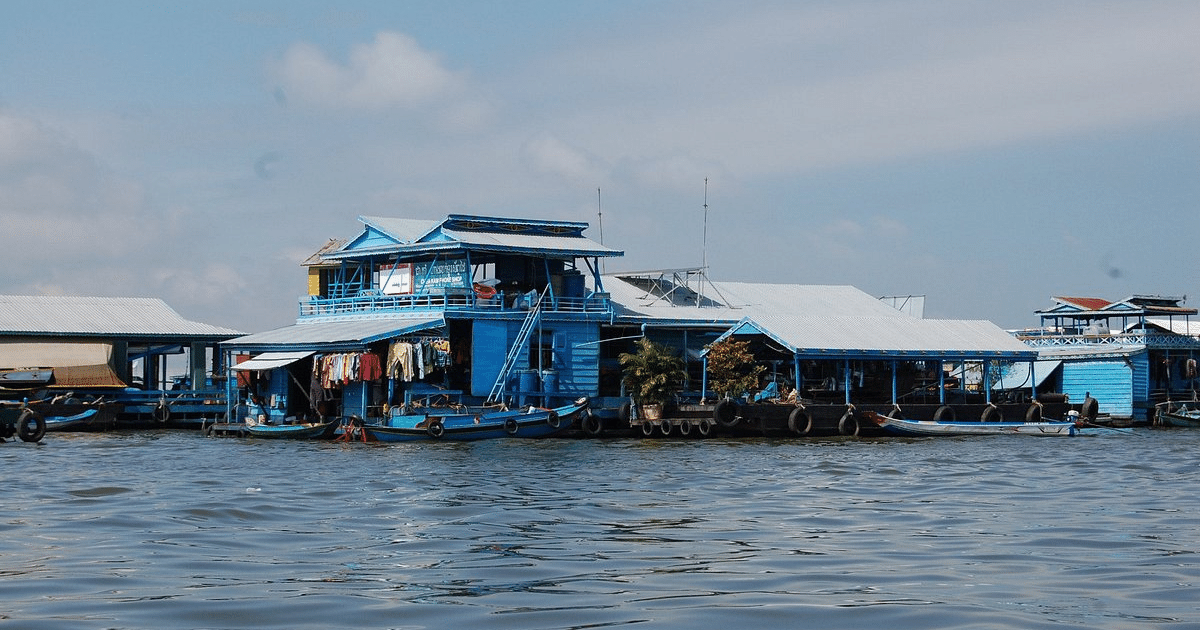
393,71
548,154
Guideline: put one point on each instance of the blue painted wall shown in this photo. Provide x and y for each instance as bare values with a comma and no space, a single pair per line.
1110,381
489,346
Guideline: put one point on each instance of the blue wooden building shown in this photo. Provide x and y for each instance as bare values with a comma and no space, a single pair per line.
1128,354
466,308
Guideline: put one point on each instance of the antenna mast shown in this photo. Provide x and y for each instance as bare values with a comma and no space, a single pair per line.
704,236
600,221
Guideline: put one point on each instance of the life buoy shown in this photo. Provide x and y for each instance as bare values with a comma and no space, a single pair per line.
553,420
685,428
848,425
945,413
647,429
511,426
162,412
435,429
800,421
593,425
1034,413
665,427
704,427
992,413
31,432
725,413
1090,409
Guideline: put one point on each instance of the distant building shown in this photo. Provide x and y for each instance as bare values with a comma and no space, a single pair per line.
1128,354
115,347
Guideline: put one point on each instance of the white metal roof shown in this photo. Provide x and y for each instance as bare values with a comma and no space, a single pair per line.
730,302
272,360
576,245
888,336
332,334
71,316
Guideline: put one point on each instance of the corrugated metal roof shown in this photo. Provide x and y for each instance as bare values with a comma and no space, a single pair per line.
574,245
272,360
403,230
891,336
334,334
1177,326
730,302
71,316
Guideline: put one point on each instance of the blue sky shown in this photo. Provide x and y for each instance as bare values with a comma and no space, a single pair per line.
987,155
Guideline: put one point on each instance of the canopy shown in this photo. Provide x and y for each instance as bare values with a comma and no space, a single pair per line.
271,360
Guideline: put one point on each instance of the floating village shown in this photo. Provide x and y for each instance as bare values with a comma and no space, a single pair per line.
476,327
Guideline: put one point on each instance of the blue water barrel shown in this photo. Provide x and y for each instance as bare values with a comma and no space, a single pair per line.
549,381
572,285
527,383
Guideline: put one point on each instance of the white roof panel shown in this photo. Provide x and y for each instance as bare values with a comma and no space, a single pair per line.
57,315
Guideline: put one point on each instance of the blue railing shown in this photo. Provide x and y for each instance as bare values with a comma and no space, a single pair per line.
371,302
1044,339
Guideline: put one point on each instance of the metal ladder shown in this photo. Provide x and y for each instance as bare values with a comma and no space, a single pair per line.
518,347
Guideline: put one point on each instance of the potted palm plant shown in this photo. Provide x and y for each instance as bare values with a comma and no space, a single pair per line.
652,376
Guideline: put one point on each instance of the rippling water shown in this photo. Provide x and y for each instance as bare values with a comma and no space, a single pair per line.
171,530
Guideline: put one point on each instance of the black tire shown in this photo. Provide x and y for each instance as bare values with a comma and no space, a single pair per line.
685,428
593,425
1090,409
942,413
553,420
29,433
162,413
800,421
992,414
625,413
725,413
704,427
435,429
647,429
665,427
206,428
1034,413
848,425
510,426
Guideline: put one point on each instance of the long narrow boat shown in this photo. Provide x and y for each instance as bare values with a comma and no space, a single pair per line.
87,419
1178,416
299,431
531,422
930,428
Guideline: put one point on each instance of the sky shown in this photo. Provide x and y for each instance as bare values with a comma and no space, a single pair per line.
985,154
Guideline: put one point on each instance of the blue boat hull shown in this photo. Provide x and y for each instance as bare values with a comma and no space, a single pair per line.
293,431
529,423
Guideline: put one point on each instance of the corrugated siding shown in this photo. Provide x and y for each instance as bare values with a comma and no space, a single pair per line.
578,365
1141,378
489,345
1109,381
99,316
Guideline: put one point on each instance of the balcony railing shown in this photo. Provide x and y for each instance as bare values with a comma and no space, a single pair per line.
450,299
1047,339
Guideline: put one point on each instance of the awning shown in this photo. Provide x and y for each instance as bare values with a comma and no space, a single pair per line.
333,335
50,354
271,360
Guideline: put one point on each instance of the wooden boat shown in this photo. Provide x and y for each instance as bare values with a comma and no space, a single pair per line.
1169,414
929,428
531,422
297,431
83,421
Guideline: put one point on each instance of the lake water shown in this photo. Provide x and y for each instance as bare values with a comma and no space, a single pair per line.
171,530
